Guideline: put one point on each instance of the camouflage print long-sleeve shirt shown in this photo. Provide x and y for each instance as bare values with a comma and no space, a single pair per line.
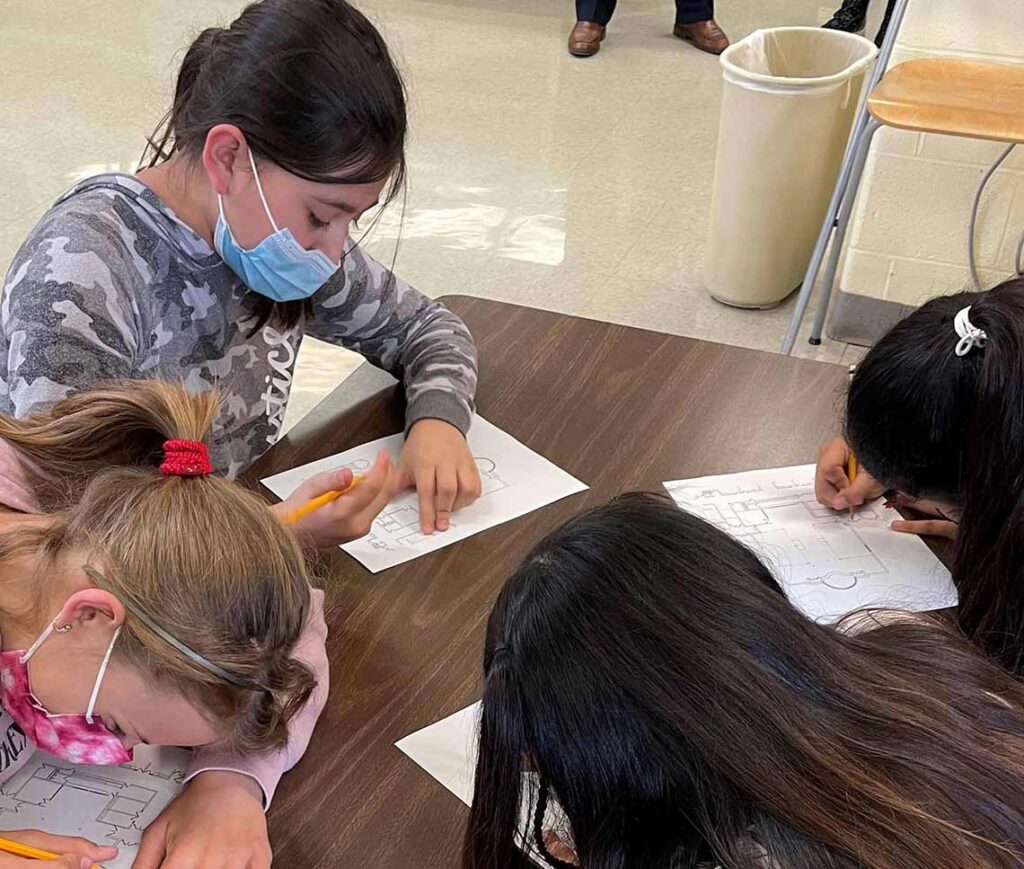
112,284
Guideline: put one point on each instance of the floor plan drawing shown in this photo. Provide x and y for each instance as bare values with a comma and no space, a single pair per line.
110,805
829,563
515,480
401,518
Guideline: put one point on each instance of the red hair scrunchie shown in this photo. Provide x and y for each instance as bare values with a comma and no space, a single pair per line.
185,459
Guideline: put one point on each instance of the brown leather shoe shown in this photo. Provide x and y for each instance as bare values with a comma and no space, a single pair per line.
586,38
705,35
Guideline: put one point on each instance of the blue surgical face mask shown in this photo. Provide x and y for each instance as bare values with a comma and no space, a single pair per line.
278,267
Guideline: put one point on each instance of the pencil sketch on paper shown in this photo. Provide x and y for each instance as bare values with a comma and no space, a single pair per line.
399,522
111,805
829,563
515,481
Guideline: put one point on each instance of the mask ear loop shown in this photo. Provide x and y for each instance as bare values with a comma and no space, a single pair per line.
43,637
259,188
100,675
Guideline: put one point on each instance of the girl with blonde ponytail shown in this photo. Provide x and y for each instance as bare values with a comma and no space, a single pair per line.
144,600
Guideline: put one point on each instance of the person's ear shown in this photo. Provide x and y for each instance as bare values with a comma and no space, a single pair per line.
225,159
90,608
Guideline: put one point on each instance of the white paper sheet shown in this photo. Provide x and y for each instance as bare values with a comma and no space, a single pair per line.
447,750
110,805
515,480
829,563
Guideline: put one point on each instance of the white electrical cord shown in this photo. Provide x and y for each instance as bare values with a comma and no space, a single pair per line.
971,262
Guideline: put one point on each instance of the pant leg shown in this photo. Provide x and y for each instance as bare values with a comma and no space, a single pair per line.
885,22
689,11
598,11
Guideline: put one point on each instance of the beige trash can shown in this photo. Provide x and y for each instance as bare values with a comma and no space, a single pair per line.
788,106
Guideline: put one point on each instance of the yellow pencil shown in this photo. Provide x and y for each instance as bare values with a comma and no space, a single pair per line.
19,850
319,501
851,473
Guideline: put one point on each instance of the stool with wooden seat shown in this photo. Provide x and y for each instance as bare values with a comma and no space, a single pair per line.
933,95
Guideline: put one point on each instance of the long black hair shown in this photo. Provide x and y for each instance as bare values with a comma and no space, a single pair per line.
649,671
930,423
311,85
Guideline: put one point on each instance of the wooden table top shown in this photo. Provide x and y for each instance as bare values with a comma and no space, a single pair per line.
619,408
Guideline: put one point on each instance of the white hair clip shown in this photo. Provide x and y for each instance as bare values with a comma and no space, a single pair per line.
970,335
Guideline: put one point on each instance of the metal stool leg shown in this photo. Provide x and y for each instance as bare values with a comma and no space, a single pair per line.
860,125
842,223
807,287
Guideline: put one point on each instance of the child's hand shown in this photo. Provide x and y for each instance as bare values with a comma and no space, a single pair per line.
347,517
437,461
926,527
833,488
559,849
216,823
938,523
75,853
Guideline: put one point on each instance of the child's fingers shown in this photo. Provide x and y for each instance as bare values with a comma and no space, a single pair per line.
830,474
151,849
322,483
366,492
426,492
364,520
404,476
926,527
470,487
379,490
67,861
447,490
863,488
836,477
559,849
63,844
348,516
829,483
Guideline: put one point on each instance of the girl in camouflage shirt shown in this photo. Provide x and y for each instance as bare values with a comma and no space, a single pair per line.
212,263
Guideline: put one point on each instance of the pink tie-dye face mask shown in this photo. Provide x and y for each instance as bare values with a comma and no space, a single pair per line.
73,737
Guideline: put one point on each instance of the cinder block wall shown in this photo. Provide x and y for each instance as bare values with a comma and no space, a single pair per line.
908,237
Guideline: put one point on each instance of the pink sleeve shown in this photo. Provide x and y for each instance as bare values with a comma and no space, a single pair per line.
15,493
267,769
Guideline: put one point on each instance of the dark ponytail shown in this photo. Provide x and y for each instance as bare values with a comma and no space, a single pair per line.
160,144
989,561
930,423
491,834
683,713
312,87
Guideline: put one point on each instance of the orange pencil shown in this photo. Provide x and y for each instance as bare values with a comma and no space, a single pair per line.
851,473
319,501
18,850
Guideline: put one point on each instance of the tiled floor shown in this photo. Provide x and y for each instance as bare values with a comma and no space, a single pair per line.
575,185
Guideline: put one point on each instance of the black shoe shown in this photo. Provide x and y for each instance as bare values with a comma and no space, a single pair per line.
851,17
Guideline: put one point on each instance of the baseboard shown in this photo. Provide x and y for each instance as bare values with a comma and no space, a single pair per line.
862,320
